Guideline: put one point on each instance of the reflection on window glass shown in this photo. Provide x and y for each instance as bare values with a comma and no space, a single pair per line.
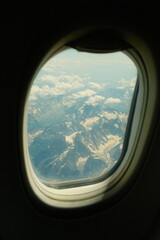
78,109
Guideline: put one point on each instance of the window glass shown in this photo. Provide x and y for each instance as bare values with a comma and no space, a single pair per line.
78,108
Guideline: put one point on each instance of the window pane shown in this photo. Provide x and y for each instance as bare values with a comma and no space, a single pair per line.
78,109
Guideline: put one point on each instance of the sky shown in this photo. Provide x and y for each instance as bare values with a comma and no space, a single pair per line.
81,74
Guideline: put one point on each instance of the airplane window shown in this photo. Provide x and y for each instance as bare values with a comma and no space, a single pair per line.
77,114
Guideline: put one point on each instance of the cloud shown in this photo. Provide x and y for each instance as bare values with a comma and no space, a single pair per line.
94,100
112,100
48,68
123,81
57,87
127,83
36,91
120,88
95,85
62,82
69,86
49,79
82,94
64,78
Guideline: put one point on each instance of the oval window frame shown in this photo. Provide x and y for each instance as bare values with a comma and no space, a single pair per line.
79,197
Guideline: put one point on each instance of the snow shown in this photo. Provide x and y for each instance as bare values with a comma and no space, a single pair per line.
109,115
88,123
68,124
81,161
70,138
32,136
114,115
103,148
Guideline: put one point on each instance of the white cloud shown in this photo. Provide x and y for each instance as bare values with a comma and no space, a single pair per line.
68,103
59,87
93,100
64,78
69,86
62,83
36,91
123,81
127,83
81,94
32,97
112,100
120,88
49,79
95,85
48,68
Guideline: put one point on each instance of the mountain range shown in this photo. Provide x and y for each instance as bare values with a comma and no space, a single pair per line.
69,141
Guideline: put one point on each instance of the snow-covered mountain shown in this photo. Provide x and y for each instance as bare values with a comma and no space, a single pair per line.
76,141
